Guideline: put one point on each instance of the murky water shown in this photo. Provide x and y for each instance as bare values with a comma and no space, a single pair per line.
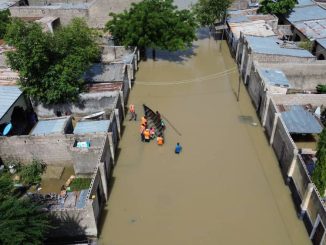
225,187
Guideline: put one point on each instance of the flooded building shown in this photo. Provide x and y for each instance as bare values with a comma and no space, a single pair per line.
267,49
110,73
292,125
255,25
308,21
83,152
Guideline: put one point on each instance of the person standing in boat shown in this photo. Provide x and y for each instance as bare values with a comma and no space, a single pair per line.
144,121
132,112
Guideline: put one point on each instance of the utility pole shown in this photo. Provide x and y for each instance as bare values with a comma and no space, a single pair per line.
223,31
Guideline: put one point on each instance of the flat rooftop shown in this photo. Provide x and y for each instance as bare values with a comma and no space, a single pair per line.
274,77
300,121
117,54
307,12
50,126
105,73
255,28
86,127
274,46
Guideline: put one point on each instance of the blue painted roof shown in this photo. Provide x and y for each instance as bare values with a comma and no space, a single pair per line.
85,127
274,77
8,96
310,12
81,202
271,45
322,42
298,120
52,126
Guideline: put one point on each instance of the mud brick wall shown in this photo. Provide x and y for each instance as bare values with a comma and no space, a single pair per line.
271,110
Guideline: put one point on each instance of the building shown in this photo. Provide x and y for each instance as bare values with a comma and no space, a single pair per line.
110,73
72,150
308,22
255,25
15,109
267,49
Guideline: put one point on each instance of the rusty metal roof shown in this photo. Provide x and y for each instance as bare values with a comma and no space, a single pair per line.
312,29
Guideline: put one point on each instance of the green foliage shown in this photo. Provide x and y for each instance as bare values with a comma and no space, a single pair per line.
210,11
22,222
80,184
276,6
31,173
307,45
6,186
321,88
319,174
154,24
4,21
51,65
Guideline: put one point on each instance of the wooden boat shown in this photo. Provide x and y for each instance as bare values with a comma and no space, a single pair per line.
154,120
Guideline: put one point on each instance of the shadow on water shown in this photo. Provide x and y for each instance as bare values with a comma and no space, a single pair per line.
177,56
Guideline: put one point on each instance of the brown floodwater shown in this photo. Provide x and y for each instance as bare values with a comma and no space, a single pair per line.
224,188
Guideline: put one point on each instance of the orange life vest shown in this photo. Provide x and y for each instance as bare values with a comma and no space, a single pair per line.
147,134
132,108
160,141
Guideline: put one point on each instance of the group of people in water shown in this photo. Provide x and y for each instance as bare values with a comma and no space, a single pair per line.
149,133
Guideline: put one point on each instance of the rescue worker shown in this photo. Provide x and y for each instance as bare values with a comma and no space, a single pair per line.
147,135
160,140
142,130
144,120
152,132
132,112
178,148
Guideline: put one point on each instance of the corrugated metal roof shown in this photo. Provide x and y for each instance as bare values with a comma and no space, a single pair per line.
4,4
105,73
247,18
85,127
312,29
300,121
8,96
272,45
274,77
322,42
310,12
53,126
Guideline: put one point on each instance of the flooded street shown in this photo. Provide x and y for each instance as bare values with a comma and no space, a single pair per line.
224,188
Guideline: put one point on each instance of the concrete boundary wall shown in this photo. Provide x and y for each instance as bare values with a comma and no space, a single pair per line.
283,146
300,99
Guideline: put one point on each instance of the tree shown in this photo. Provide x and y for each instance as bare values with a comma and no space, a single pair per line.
277,7
208,12
22,222
4,21
319,173
154,24
51,65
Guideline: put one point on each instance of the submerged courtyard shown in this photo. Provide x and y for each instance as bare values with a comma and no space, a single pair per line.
224,188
